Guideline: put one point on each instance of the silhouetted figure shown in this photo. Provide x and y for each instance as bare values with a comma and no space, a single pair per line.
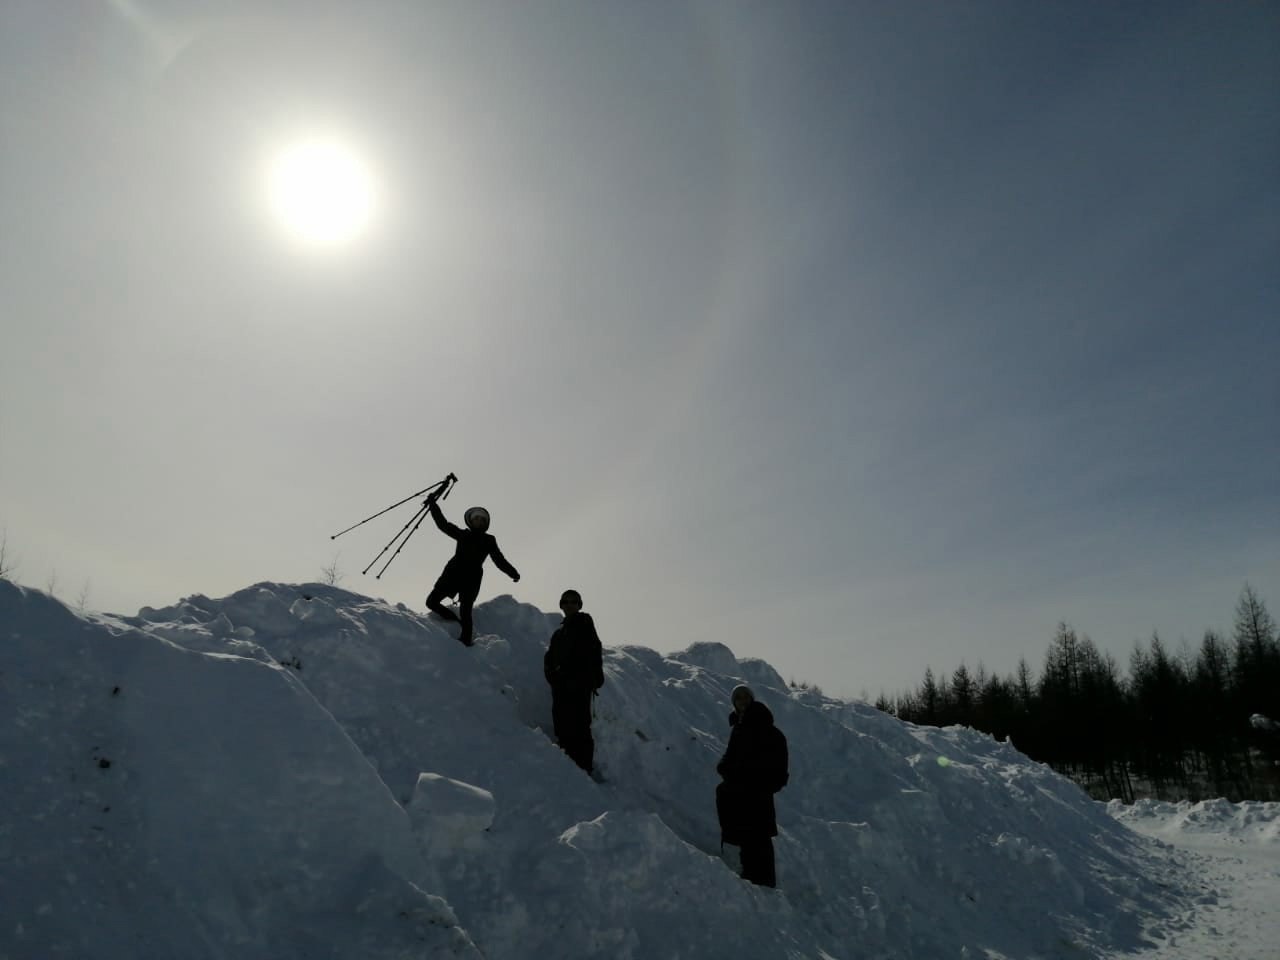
752,770
465,569
574,666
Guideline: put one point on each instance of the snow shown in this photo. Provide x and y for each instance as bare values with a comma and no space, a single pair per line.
1234,850
298,771
447,813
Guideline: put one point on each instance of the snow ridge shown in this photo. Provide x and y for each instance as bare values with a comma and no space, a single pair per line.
299,771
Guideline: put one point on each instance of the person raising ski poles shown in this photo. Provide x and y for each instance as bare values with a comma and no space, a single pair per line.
462,574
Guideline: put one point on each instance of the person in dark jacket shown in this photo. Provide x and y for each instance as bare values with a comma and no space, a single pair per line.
574,667
752,770
462,574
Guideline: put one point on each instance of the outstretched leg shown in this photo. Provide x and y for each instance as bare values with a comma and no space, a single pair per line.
438,593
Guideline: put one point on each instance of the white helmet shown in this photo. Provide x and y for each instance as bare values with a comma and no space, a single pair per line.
477,518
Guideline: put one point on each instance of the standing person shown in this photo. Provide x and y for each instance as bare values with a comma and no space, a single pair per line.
752,770
574,666
465,569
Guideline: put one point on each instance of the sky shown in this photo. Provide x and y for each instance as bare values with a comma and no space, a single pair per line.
402,805
872,336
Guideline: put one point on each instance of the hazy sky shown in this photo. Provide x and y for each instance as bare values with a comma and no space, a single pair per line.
861,337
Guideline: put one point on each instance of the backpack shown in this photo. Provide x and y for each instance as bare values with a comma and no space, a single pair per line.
777,773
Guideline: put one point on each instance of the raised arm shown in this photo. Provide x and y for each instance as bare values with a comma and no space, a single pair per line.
445,526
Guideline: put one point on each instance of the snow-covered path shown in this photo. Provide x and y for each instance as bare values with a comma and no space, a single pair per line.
1234,852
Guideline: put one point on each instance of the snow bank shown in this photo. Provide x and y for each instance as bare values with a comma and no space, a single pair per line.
161,802
303,771
1251,822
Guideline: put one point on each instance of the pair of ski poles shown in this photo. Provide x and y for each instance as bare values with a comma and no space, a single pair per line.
437,491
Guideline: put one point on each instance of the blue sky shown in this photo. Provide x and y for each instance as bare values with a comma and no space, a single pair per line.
861,337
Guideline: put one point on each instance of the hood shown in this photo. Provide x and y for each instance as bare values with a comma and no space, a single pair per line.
756,715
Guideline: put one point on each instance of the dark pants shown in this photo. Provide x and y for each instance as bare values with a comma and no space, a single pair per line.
467,594
757,861
571,718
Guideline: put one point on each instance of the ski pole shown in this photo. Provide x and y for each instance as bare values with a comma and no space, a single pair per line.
421,515
422,512
446,484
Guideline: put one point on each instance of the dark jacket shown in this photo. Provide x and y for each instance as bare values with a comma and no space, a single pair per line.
574,659
466,567
754,768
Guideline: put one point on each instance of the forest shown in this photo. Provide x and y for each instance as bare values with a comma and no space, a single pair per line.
1188,724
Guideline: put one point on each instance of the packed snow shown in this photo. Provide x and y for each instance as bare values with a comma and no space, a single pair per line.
297,772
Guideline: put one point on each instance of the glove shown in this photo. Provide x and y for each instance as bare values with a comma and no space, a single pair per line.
516,578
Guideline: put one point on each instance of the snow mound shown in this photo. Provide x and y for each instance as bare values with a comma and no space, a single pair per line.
1251,821
302,771
164,802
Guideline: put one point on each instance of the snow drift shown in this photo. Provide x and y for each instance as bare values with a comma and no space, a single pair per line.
303,772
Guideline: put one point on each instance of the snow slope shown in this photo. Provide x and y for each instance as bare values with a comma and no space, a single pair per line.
302,772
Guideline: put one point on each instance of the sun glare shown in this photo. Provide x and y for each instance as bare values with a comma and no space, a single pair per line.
321,192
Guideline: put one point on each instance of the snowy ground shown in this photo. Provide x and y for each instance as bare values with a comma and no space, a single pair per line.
303,772
1234,851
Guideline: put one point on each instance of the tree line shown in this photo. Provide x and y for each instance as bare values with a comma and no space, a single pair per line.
1185,725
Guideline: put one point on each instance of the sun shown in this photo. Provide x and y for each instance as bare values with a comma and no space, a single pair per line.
321,191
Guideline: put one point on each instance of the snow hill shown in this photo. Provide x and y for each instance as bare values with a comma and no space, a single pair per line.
304,772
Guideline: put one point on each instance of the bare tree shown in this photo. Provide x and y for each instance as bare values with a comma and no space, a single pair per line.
82,598
332,575
8,562
51,585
